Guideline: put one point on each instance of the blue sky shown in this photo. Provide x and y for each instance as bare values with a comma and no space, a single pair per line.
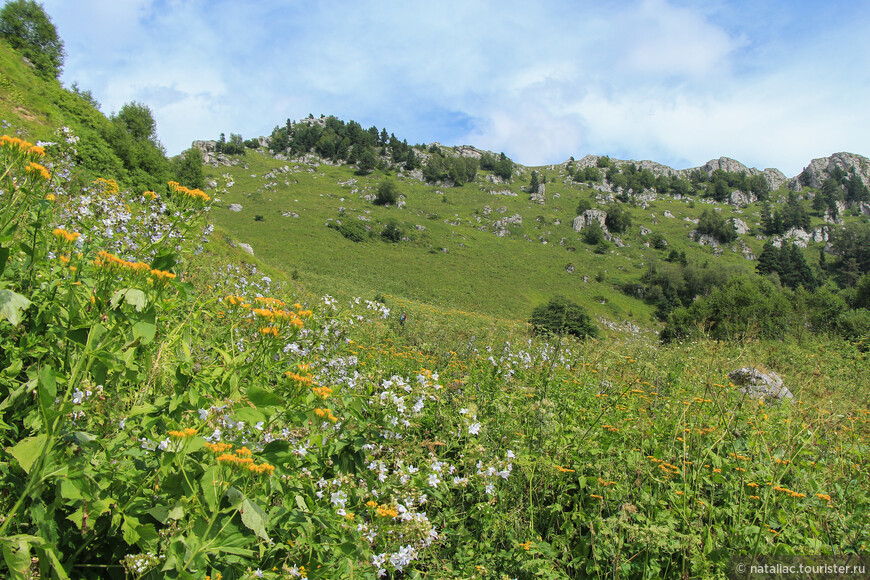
772,83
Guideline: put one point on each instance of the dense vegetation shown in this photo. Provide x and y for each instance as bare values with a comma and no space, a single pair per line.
173,408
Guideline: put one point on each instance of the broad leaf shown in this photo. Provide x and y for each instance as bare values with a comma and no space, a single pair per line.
12,305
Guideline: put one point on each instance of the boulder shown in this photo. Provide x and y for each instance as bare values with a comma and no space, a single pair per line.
246,248
235,207
589,216
740,226
760,385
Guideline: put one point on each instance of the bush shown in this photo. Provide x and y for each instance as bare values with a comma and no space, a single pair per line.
353,230
561,316
713,224
744,306
593,234
392,232
618,219
388,193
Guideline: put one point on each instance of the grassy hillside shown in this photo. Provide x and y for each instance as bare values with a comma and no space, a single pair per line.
452,257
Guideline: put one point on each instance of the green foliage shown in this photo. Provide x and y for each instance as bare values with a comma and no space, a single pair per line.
593,233
235,146
562,316
27,28
187,169
353,230
583,205
366,160
851,245
713,224
618,219
392,232
533,183
744,306
388,193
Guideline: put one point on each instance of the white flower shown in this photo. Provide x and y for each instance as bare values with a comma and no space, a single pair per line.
510,454
122,423
164,445
490,489
258,573
433,480
463,411
339,498
474,428
203,414
78,397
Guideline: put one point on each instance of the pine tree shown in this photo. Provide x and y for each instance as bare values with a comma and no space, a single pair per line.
533,184
768,261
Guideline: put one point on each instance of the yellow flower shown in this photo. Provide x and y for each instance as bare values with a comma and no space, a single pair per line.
65,235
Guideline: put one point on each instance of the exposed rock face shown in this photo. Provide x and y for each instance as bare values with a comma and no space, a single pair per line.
235,207
758,385
740,226
589,216
821,234
469,151
798,237
247,248
818,170
704,239
539,196
210,156
742,199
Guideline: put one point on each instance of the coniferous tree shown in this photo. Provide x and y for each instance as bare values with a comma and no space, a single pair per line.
533,183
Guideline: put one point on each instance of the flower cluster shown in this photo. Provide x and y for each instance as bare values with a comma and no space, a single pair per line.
194,194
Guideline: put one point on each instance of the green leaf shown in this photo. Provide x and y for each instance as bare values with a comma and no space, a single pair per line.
254,518
27,451
47,391
4,255
159,513
262,398
16,553
210,486
12,305
144,331
132,296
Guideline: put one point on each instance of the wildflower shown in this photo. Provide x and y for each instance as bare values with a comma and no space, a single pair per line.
38,170
474,428
823,496
64,235
595,496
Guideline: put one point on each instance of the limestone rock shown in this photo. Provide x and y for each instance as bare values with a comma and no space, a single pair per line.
246,248
818,170
589,216
740,226
235,207
759,385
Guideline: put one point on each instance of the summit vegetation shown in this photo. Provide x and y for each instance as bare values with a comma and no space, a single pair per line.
326,353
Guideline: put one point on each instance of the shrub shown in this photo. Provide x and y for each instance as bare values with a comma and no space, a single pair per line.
593,234
713,224
561,316
388,193
354,230
392,232
618,219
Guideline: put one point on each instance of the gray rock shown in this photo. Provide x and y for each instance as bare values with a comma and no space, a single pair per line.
589,216
740,226
759,385
246,248
818,170
235,207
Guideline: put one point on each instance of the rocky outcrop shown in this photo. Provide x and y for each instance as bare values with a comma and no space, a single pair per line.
589,216
756,384
740,226
815,174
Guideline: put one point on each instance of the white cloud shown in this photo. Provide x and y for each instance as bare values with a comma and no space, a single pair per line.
679,82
